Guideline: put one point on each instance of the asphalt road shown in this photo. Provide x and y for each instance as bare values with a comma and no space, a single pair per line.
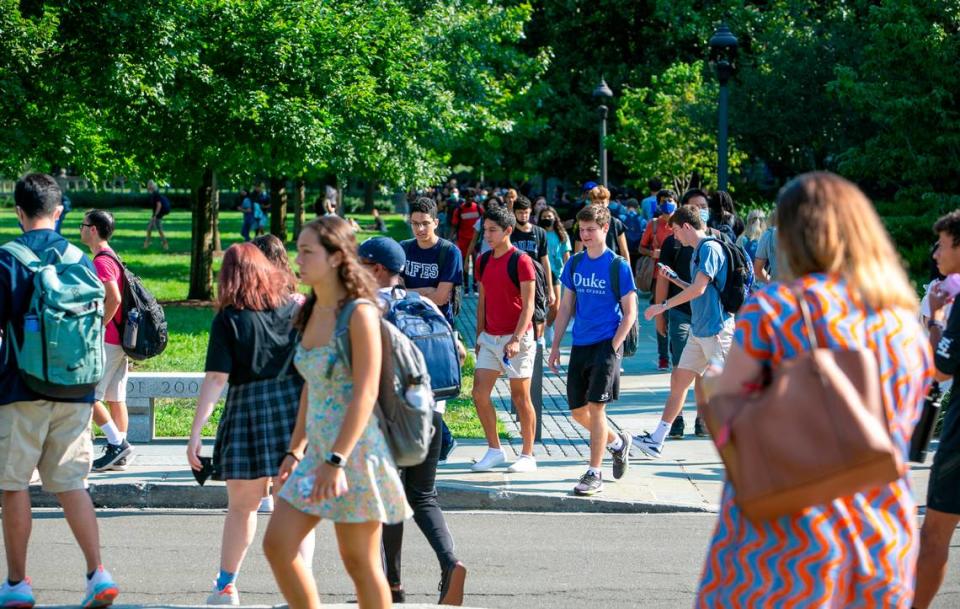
515,560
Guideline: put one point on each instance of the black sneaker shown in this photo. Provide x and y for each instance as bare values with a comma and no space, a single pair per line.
621,458
398,596
445,451
451,585
700,428
677,428
590,484
112,453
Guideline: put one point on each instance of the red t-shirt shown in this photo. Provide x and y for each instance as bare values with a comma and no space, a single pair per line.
502,302
465,218
109,270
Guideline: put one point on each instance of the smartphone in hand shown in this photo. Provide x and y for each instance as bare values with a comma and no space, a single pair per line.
667,271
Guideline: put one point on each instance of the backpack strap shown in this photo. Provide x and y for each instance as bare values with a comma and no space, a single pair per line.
23,254
513,267
615,266
341,332
483,260
574,262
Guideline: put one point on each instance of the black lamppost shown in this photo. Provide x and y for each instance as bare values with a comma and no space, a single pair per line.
603,93
723,56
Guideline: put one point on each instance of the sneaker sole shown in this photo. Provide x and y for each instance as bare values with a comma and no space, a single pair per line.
104,598
107,466
589,493
628,444
675,437
454,595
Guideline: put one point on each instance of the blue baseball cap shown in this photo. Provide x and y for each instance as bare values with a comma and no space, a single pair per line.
589,185
385,251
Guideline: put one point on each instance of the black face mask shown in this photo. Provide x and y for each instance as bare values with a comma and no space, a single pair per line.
546,223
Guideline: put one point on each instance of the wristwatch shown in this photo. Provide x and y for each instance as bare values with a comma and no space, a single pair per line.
336,460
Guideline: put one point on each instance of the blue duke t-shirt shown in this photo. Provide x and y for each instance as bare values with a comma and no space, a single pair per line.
423,269
707,315
597,314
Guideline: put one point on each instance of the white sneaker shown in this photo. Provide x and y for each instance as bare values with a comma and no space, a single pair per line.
492,459
266,505
524,464
101,590
228,596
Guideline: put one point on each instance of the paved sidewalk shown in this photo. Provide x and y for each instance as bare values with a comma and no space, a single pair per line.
687,478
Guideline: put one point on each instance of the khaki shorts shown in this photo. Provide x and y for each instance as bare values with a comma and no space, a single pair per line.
53,437
113,386
699,352
490,356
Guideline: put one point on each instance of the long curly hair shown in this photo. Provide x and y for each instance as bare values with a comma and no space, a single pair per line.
272,247
335,235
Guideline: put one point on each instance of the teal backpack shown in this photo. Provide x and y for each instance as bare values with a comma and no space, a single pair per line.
61,354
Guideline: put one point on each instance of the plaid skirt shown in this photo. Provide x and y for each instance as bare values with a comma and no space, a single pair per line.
254,432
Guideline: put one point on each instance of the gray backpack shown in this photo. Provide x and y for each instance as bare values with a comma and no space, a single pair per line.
60,354
405,401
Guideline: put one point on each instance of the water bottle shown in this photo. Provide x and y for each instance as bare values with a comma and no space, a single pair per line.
922,434
31,323
419,396
131,329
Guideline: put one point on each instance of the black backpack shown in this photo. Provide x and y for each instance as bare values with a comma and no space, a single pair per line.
739,275
540,293
143,326
456,295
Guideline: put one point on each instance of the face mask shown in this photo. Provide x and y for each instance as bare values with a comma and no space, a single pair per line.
631,211
546,222
704,215
481,198
668,207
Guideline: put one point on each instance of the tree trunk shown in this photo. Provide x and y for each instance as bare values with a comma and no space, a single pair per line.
278,208
215,223
201,251
298,206
369,190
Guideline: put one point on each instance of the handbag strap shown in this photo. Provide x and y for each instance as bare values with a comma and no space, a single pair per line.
807,318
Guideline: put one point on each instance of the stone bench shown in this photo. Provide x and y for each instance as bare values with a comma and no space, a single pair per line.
143,388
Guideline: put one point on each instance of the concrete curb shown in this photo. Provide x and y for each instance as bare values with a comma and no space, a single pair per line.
452,496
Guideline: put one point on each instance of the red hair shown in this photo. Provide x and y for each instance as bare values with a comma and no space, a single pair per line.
249,281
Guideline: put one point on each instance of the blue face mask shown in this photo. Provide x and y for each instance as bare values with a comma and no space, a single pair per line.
704,215
668,207
481,198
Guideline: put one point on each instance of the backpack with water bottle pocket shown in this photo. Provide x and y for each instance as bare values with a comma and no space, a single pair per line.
60,354
143,325
404,401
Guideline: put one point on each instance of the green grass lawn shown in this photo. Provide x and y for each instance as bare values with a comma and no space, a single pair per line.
167,275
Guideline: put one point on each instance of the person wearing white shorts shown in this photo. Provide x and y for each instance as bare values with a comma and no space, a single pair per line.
505,341
711,326
95,232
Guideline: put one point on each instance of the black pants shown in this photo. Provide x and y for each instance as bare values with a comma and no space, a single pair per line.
419,482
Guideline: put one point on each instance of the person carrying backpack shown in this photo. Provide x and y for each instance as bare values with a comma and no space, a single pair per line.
46,389
602,298
711,323
95,232
160,207
339,466
385,259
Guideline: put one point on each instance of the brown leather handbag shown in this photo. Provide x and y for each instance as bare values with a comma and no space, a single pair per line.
818,431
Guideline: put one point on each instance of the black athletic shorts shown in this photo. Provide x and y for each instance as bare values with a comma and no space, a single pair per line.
593,374
943,493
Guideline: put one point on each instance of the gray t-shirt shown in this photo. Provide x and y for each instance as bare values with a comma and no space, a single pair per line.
707,315
767,250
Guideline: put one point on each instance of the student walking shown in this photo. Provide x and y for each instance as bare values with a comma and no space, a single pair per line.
711,326
434,270
251,345
95,232
47,433
600,297
558,252
943,491
160,207
856,550
385,259
505,340
338,465
654,235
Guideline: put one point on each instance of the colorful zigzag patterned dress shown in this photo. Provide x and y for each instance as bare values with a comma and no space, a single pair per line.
856,551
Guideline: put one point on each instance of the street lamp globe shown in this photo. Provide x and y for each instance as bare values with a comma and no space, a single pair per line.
602,91
723,52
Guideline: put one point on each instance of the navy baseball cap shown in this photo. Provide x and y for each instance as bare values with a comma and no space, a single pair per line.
385,251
